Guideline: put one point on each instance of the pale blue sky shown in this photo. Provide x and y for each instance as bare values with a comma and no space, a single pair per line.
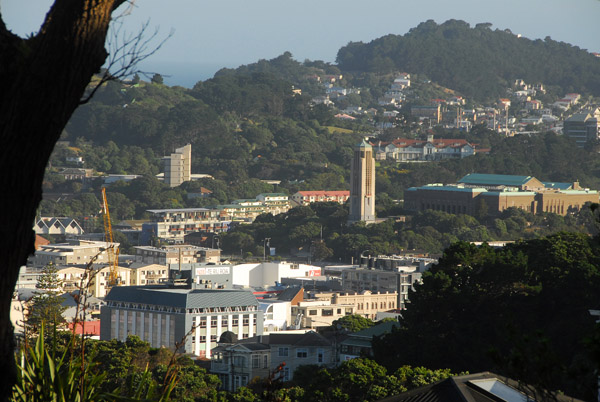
211,34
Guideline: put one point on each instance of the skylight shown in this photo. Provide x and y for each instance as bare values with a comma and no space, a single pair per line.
501,390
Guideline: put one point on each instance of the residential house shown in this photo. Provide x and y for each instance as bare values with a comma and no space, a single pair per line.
57,226
359,344
278,355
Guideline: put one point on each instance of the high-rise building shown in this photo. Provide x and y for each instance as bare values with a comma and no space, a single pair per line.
362,184
178,166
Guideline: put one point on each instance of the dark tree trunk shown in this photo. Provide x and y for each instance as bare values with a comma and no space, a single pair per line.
42,80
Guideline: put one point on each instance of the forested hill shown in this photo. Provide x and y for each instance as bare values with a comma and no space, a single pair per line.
477,61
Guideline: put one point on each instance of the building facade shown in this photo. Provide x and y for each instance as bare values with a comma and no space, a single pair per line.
366,303
175,254
178,166
582,127
163,316
173,224
308,197
362,184
493,194
407,149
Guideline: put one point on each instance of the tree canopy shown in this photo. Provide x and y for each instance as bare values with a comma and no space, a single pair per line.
521,310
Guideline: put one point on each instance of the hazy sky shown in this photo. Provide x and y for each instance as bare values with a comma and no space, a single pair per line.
211,34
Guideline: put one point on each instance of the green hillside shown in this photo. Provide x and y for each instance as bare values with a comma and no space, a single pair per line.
477,61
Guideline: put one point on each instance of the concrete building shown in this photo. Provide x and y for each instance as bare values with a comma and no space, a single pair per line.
269,273
433,113
178,166
95,281
366,303
173,224
308,197
383,274
71,252
314,314
362,184
163,316
174,254
495,193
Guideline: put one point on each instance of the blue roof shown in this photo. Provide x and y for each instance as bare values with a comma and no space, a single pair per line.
363,144
495,179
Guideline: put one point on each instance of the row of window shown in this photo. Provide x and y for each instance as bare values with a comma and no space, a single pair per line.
301,353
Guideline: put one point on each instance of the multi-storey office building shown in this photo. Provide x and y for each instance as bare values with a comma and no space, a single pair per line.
165,315
386,274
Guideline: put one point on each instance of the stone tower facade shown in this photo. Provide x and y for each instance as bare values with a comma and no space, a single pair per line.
362,184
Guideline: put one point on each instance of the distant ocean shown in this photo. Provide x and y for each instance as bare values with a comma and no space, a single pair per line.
183,74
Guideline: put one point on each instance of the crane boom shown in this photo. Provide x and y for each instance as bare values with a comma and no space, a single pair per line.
112,253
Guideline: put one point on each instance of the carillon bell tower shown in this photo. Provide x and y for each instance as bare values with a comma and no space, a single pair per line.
362,184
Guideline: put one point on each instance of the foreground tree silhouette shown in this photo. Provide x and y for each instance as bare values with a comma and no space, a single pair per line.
42,80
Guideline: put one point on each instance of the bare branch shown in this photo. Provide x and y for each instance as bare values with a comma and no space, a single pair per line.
126,51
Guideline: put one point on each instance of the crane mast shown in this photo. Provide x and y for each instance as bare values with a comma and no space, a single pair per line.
112,253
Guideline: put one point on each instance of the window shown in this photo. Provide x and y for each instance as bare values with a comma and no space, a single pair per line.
239,361
256,361
286,374
327,312
320,355
265,361
302,353
312,312
283,352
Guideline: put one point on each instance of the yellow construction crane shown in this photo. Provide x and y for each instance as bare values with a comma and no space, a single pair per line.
112,252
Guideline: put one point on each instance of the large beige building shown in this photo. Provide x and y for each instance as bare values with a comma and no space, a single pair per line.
366,303
178,166
362,184
495,193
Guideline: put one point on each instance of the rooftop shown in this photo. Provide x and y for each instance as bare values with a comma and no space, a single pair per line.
183,298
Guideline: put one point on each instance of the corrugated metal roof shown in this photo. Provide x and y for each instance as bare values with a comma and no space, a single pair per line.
183,298
559,186
495,179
